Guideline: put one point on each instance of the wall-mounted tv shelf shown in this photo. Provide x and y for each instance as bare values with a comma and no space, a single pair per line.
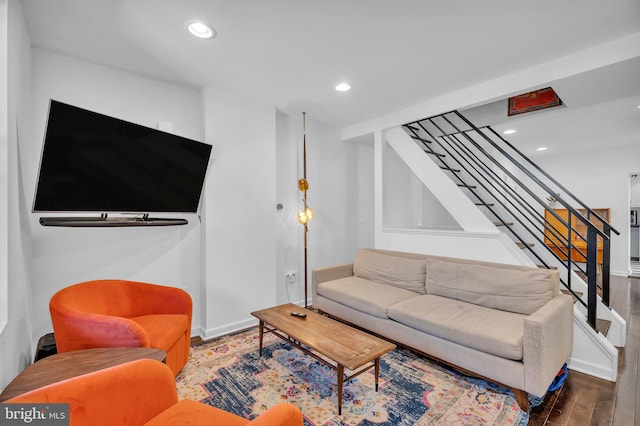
104,221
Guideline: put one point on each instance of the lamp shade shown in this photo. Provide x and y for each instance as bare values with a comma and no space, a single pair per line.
302,217
305,215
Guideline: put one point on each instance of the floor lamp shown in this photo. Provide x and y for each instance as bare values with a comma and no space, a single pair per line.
306,214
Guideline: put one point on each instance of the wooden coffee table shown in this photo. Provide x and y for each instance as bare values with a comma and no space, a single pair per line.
66,365
318,335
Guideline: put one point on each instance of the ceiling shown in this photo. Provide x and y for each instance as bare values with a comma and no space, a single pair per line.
395,54
601,108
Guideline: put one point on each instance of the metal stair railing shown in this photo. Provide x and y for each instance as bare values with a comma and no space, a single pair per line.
480,154
451,140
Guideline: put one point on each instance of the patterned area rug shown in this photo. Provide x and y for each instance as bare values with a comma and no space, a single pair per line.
228,373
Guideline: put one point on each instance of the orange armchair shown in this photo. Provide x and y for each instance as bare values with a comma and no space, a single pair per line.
142,392
118,313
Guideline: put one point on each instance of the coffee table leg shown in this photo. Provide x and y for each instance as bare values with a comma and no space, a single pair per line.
340,371
377,369
261,326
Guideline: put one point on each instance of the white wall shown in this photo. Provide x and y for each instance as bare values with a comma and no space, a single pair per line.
332,172
64,256
240,214
250,244
289,134
396,192
365,195
601,179
16,346
408,203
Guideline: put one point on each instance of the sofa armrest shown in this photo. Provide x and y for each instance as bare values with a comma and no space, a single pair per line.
328,274
126,394
547,343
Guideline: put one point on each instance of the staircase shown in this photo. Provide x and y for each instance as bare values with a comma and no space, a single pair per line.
515,195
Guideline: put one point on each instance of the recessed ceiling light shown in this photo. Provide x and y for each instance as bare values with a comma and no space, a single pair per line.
509,131
542,148
201,30
343,87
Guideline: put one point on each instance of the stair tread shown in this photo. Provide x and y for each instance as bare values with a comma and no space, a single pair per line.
464,185
555,268
521,245
568,293
450,169
503,224
603,326
579,293
418,138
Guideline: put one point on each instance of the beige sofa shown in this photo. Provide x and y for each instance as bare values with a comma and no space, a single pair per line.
509,324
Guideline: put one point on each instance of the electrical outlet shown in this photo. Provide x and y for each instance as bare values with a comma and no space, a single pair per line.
291,276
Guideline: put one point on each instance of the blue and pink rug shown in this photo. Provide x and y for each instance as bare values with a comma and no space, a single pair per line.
228,373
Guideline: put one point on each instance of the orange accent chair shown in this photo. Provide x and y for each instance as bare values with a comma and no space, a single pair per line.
142,392
119,313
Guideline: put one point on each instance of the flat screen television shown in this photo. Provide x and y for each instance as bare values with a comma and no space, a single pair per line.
93,163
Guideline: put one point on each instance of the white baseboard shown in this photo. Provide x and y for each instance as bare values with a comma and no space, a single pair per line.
222,330
591,369
212,333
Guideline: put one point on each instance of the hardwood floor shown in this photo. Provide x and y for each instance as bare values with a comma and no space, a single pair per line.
585,400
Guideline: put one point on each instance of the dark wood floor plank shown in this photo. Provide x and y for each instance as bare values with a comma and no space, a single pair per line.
562,411
583,408
539,415
604,404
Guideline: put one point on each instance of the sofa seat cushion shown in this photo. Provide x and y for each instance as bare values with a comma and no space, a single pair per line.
488,330
363,295
163,329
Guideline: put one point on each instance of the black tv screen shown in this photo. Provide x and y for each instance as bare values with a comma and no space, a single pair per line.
95,163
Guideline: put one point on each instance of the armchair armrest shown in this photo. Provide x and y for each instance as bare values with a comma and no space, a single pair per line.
126,394
159,299
327,274
279,415
547,343
82,330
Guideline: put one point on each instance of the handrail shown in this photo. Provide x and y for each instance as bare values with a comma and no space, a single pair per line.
485,172
525,170
548,176
482,166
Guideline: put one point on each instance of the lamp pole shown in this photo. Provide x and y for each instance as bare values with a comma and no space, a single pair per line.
304,176
306,214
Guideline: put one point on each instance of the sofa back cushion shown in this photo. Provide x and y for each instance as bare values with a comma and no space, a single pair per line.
510,288
396,271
